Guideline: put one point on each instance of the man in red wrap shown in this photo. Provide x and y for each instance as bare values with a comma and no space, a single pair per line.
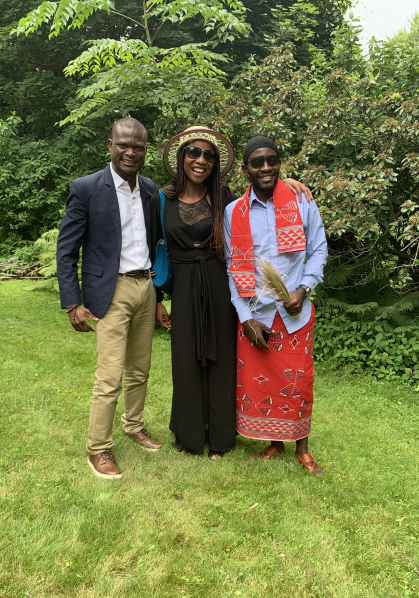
274,390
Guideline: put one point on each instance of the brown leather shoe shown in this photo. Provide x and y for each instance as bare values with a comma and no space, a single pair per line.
104,465
145,440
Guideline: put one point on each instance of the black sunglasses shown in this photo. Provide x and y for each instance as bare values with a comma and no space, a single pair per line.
258,162
195,152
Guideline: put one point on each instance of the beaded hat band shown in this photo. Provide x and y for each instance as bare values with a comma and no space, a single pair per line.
224,147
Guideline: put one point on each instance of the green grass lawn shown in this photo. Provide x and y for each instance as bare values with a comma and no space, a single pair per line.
177,525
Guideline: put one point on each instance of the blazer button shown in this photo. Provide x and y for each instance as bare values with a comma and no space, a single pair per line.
117,258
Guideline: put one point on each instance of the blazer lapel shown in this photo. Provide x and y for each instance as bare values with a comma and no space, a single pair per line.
113,204
145,198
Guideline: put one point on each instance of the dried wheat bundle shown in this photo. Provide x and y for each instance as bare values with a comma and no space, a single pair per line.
272,282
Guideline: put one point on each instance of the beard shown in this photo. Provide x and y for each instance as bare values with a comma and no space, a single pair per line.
265,187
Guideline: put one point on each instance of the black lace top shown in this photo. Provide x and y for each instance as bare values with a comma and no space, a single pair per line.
186,225
199,278
198,216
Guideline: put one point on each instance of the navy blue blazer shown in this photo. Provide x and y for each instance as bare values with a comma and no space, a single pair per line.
92,222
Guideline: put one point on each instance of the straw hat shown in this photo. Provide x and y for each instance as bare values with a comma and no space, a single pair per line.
223,145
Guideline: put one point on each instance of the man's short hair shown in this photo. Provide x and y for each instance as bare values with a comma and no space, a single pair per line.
128,123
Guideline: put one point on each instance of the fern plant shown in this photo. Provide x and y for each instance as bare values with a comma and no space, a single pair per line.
48,256
48,259
363,291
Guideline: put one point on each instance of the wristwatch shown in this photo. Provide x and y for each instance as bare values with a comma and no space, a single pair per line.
306,288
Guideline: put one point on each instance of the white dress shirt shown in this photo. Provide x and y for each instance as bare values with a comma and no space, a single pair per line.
134,250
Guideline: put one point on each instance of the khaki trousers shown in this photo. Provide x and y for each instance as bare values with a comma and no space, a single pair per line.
123,346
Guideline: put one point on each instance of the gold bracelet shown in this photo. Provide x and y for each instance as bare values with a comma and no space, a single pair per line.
71,307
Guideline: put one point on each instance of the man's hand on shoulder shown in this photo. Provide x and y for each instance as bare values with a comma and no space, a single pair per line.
78,320
253,330
162,316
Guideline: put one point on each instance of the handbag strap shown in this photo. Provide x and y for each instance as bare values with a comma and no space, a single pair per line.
162,198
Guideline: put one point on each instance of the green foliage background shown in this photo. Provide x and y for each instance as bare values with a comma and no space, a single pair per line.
347,125
38,158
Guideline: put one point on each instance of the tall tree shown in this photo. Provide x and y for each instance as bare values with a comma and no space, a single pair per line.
130,72
307,23
41,157
135,76
407,37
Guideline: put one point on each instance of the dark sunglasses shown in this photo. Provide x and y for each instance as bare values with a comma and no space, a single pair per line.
195,152
260,161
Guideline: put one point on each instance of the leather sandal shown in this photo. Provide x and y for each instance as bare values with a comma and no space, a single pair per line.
215,455
307,458
268,453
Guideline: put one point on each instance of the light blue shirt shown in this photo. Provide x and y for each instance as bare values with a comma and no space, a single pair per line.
297,267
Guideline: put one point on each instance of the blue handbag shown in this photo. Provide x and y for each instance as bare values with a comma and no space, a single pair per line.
162,268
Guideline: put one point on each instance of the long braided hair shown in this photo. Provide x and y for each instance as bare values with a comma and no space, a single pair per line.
213,183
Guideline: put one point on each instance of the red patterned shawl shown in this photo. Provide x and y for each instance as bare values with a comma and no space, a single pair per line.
289,235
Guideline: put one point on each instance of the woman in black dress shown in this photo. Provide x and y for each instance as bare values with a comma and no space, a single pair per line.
204,321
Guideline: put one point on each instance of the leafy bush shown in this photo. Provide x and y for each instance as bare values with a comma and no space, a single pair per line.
26,255
34,188
368,345
349,128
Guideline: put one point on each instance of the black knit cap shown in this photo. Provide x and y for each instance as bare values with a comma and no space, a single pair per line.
257,143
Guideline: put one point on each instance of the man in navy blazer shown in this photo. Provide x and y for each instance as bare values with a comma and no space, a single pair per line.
108,216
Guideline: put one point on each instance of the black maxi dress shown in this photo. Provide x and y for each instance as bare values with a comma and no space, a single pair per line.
204,327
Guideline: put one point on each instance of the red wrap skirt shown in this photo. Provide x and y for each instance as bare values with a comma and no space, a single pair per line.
274,389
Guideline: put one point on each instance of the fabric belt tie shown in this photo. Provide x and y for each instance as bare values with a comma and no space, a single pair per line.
205,338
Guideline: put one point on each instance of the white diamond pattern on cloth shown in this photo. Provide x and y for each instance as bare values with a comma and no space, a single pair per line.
238,257
289,212
265,429
290,238
285,392
247,399
292,390
294,342
261,378
285,409
288,374
309,350
243,209
245,281
266,401
299,375
274,340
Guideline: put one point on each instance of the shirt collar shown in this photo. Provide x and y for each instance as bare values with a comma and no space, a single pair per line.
119,181
253,197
